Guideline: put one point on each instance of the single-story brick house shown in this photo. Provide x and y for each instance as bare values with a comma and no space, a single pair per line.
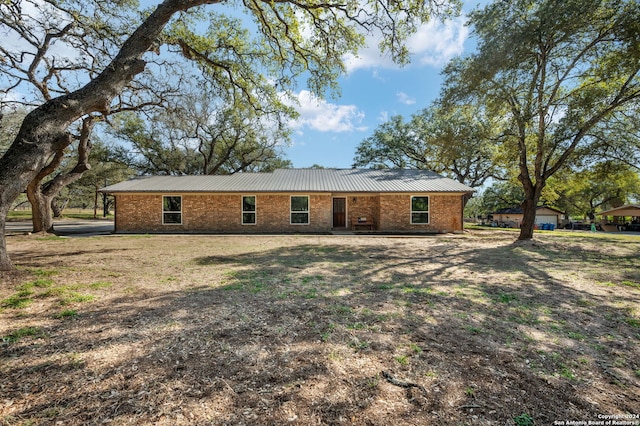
512,216
291,200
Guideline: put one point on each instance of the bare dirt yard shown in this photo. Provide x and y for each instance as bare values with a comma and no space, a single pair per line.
369,330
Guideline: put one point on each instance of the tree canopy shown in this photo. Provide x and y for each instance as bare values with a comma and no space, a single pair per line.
457,143
203,134
600,186
554,72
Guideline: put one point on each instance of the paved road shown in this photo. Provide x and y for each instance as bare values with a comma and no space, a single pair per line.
70,227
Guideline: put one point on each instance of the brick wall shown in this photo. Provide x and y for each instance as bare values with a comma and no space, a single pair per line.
273,214
219,213
362,206
445,213
138,213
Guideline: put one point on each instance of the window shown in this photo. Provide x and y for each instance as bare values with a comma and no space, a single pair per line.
248,209
300,210
419,210
172,210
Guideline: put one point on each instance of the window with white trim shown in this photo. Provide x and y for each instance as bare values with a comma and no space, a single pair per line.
299,209
172,210
419,210
248,209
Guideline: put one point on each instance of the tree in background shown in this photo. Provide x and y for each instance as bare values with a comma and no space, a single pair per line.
553,71
105,170
501,195
456,143
601,186
292,39
204,135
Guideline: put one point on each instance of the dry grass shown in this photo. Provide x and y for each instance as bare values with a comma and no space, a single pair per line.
469,329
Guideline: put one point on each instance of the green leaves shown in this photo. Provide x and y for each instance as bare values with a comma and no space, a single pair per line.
207,134
604,185
455,142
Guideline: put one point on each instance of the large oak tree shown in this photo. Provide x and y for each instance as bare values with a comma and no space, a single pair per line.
292,39
555,71
51,46
204,134
457,143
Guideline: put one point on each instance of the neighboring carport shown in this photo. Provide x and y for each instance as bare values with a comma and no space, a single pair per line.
620,221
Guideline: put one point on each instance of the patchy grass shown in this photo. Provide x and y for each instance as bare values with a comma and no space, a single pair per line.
630,284
524,420
20,333
469,329
19,300
68,313
47,288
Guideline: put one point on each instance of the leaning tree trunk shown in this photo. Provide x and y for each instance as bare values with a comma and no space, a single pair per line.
42,196
41,218
41,215
44,130
35,143
58,209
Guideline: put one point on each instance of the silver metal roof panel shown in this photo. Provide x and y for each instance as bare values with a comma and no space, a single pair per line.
298,180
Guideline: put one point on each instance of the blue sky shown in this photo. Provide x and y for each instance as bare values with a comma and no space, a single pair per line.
375,89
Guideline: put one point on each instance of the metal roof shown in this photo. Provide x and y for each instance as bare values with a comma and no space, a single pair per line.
628,210
298,180
518,210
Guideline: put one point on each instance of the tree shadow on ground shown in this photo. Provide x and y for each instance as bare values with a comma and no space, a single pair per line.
301,335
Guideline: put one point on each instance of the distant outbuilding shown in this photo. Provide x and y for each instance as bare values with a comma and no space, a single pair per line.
620,215
512,216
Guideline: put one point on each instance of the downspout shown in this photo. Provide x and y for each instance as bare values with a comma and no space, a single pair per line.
115,215
463,201
462,214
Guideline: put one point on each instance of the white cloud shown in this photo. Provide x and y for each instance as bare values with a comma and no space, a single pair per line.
318,114
405,99
376,75
39,15
383,117
434,44
10,97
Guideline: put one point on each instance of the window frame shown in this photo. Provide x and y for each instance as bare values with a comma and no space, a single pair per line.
292,212
165,212
254,211
427,212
